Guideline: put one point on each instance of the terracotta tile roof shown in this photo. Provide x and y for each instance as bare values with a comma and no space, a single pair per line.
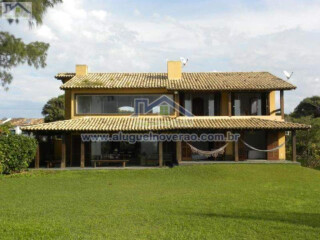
189,81
118,80
63,76
24,121
229,81
132,124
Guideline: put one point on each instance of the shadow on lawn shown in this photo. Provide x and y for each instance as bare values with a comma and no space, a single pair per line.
305,219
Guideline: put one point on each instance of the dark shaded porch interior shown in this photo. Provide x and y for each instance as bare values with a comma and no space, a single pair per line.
67,150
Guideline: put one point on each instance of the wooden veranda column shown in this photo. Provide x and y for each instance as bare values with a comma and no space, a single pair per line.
63,151
178,152
294,146
82,157
282,103
229,104
236,151
160,154
177,103
37,160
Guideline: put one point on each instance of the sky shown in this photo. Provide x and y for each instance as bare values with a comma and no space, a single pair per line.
140,36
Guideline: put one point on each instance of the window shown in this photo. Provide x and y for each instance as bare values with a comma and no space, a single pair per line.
202,104
249,104
117,104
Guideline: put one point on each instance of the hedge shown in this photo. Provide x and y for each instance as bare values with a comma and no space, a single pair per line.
16,152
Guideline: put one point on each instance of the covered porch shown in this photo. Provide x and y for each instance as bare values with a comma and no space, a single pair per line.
75,153
259,133
68,150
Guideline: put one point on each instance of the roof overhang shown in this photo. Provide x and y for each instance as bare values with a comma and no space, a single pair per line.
143,124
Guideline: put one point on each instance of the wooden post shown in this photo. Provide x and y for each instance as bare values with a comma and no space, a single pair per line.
160,154
178,152
63,152
37,160
236,151
294,146
177,104
82,157
70,146
282,104
229,104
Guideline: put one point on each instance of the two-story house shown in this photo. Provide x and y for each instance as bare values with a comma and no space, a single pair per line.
239,102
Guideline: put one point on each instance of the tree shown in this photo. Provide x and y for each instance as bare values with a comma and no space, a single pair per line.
53,110
308,142
5,128
308,107
13,51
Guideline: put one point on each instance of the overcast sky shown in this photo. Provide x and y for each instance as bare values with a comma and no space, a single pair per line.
138,36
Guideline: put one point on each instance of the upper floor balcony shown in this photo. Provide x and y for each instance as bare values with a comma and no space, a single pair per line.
215,104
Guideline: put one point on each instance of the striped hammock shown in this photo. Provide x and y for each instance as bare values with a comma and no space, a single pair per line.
213,153
260,150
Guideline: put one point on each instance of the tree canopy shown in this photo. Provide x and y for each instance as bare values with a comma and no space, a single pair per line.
53,110
308,142
308,107
13,51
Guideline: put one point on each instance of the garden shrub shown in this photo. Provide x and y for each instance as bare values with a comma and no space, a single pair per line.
16,152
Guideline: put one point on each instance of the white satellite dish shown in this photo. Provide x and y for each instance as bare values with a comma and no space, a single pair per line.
184,61
288,75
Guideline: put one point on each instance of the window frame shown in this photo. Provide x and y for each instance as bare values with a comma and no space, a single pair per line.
264,98
117,114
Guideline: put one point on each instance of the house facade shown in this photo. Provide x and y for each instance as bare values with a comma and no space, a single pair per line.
104,103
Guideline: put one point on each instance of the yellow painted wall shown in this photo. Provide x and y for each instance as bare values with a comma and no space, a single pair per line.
174,70
281,140
272,103
81,70
224,103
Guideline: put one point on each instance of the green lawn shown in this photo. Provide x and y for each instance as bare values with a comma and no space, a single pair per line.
190,202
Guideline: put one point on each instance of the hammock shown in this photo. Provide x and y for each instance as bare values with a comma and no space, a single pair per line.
260,150
213,153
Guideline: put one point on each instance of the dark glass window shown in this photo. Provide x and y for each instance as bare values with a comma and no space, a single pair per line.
118,104
249,104
202,104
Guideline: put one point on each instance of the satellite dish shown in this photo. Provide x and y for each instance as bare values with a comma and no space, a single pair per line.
184,61
288,75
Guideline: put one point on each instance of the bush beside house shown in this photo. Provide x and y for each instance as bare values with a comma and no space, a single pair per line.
16,152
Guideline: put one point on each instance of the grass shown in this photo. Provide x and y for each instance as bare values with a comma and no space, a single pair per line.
191,202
